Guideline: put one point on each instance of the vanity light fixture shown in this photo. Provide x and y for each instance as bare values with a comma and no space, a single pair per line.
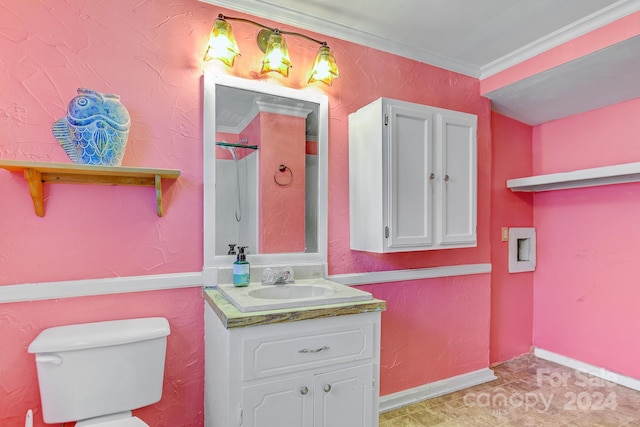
222,43
271,41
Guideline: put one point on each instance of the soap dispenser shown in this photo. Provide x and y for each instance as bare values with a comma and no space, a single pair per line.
241,269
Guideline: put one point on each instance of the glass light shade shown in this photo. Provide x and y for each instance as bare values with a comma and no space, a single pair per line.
222,43
276,57
324,67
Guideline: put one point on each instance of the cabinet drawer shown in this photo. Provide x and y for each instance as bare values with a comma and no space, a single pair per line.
279,354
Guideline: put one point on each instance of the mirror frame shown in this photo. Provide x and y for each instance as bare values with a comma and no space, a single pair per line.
213,262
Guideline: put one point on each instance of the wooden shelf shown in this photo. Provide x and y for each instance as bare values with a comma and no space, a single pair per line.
37,173
606,175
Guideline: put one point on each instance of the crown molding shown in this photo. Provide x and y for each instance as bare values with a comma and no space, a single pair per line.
283,110
576,29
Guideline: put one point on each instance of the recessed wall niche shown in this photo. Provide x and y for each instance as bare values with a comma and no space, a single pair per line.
522,249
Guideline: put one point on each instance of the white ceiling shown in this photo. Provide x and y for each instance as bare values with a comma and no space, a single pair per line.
480,38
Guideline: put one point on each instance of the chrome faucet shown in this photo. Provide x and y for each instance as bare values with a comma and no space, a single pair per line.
280,276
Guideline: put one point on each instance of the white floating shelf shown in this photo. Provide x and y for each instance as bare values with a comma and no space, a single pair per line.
606,175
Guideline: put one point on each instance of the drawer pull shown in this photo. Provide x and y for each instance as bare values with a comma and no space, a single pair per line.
314,350
327,388
304,390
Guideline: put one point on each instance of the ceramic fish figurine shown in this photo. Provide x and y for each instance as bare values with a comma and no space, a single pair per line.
95,130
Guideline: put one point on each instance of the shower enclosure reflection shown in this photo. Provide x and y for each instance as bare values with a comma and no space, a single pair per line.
236,207
268,149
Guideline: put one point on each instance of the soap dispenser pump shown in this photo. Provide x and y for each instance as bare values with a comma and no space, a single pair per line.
241,269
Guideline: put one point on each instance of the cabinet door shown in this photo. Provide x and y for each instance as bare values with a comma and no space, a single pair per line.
458,188
281,403
344,398
410,180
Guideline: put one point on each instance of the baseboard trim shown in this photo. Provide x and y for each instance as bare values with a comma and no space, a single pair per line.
596,371
438,388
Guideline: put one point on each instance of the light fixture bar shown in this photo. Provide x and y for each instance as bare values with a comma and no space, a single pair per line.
257,24
222,46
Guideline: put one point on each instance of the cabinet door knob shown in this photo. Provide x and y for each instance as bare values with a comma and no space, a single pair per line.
304,390
327,388
446,177
432,176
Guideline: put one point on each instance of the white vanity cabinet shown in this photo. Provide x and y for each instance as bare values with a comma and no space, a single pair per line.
307,373
412,177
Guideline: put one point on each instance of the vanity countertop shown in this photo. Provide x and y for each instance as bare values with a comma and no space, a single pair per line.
231,317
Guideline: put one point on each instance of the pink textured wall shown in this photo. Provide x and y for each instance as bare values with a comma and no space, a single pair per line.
568,223
149,53
182,395
586,290
281,197
432,329
511,294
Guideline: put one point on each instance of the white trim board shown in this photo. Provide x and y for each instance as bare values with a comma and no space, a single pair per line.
368,278
397,400
596,371
118,285
80,288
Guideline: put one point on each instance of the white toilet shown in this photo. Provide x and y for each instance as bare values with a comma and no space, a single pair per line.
97,373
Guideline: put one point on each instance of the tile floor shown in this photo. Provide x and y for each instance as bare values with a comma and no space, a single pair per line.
528,392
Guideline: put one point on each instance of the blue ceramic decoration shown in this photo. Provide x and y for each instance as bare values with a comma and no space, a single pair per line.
95,129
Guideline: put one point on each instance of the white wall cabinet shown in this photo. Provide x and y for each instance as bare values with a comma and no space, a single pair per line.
412,177
311,373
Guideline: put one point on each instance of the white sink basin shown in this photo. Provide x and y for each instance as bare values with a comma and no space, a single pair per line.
303,293
291,291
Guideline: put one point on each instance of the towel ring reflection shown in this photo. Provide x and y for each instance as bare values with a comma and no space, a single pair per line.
283,182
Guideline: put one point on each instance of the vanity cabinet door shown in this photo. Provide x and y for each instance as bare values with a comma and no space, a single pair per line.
341,398
281,403
344,398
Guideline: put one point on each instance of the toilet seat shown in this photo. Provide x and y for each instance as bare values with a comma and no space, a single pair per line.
122,422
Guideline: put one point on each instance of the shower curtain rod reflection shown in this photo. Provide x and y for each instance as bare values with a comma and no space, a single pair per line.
235,144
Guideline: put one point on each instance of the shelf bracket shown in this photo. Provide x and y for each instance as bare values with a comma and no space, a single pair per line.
34,180
158,194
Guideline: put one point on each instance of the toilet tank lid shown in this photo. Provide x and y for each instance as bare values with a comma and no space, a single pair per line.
99,334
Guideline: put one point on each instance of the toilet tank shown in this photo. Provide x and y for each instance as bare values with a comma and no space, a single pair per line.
94,369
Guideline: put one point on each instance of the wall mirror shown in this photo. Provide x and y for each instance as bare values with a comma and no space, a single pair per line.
265,173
